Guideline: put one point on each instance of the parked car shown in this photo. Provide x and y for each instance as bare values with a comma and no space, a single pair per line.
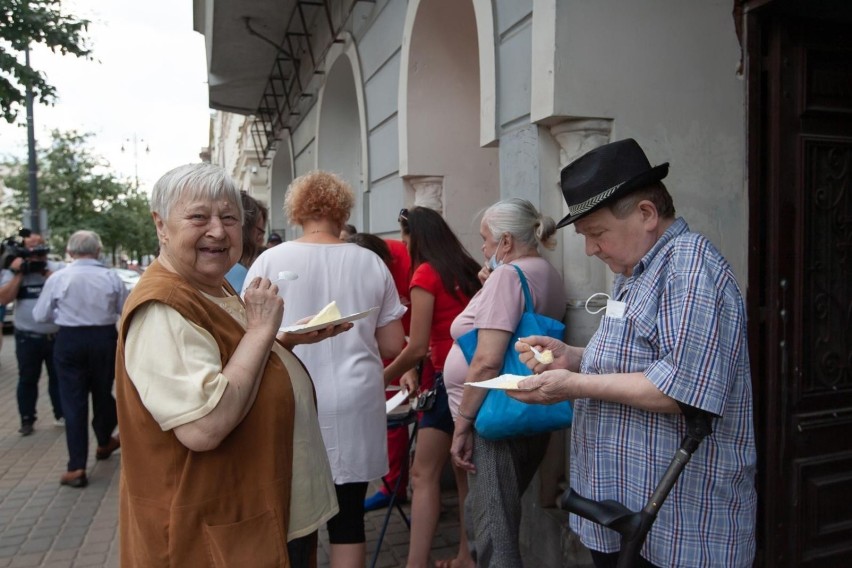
129,277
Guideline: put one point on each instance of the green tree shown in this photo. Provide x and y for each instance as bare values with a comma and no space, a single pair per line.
27,22
78,191
126,226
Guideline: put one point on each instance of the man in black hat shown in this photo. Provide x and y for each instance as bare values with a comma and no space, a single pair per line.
674,333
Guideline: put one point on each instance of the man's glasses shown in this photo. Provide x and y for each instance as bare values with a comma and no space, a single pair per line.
403,215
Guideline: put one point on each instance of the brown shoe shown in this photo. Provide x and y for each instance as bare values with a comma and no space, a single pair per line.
103,452
76,478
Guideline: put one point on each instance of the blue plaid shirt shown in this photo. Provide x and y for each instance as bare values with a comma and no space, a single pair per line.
685,328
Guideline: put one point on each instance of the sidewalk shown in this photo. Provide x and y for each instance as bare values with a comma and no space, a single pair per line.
46,525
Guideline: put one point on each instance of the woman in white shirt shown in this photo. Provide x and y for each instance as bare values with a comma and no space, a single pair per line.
347,369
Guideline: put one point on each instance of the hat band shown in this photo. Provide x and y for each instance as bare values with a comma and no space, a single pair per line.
592,202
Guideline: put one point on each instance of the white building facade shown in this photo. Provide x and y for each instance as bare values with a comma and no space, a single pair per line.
455,104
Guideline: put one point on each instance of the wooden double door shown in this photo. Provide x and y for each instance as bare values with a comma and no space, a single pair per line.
800,276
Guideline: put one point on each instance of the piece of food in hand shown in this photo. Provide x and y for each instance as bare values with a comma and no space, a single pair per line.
545,358
326,315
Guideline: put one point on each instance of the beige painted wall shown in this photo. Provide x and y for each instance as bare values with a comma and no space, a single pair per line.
665,73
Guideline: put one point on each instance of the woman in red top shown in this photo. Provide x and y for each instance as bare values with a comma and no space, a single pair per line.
444,278
395,255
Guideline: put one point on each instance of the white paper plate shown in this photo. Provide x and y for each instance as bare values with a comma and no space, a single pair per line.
396,400
503,382
305,328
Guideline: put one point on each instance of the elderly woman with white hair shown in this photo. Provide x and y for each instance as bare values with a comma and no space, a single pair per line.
218,422
85,301
500,470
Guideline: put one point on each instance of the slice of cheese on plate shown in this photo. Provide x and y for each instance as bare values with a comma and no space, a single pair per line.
511,382
327,314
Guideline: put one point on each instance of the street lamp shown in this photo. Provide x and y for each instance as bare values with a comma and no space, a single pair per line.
32,174
136,142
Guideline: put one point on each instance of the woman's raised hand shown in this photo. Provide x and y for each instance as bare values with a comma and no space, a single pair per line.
264,307
484,273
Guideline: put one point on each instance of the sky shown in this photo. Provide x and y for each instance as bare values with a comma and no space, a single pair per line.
147,82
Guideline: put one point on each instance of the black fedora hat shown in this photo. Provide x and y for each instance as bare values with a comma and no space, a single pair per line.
605,174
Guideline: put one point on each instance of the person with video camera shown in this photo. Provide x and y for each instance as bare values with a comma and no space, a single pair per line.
26,268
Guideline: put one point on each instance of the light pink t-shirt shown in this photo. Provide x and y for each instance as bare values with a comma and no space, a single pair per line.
499,305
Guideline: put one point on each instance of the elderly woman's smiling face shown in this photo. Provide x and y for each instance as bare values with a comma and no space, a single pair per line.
201,240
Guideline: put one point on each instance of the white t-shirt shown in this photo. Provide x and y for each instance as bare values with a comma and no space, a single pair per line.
347,369
187,383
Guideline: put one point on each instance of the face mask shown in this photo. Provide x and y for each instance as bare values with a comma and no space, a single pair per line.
602,308
614,308
493,263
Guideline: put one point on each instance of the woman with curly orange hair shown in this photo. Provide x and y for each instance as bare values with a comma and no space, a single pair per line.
346,369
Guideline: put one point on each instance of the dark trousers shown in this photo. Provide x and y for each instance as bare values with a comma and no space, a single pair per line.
31,350
85,362
504,470
303,551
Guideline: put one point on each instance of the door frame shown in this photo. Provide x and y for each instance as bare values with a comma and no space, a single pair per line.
775,286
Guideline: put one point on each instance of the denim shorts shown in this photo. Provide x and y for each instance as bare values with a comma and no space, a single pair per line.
439,416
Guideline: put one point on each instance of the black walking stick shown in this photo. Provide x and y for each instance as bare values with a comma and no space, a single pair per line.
634,526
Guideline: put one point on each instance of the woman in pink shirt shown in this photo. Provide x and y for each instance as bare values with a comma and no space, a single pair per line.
500,470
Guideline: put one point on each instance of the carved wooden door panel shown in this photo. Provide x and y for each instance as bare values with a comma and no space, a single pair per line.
800,285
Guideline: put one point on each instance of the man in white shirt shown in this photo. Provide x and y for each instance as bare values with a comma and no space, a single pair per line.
85,301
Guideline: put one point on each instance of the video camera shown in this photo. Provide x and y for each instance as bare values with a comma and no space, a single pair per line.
13,247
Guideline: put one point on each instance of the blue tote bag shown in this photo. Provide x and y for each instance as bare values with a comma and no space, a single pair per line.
501,416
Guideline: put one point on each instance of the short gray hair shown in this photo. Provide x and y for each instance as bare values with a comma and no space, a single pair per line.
521,219
193,181
84,243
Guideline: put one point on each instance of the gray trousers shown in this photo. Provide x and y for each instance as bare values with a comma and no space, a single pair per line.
504,469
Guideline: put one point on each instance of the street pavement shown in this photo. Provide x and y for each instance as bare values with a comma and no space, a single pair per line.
43,524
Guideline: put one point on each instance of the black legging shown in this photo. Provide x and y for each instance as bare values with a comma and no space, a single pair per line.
347,526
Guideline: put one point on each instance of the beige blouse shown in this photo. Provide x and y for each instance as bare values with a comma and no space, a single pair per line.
187,382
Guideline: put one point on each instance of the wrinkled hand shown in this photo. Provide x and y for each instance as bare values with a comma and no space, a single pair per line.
548,387
264,307
290,340
462,446
409,381
561,353
484,273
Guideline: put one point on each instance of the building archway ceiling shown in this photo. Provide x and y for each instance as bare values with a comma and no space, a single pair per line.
266,57
238,63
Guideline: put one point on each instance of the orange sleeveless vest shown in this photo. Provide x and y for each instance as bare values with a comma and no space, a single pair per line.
224,507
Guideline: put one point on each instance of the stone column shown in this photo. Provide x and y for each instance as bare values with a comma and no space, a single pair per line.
428,192
583,275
